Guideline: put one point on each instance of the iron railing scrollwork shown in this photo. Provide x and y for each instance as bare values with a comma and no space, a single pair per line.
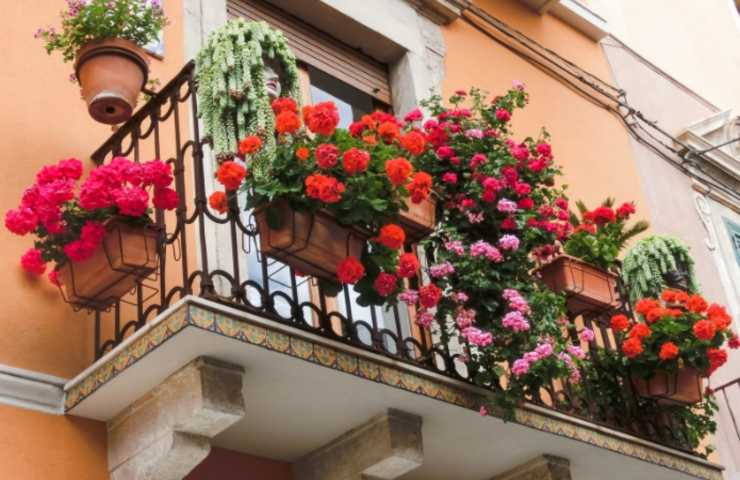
233,271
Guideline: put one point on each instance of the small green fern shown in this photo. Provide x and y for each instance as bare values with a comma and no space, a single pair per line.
650,259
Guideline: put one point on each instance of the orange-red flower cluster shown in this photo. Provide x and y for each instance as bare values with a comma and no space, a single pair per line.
355,160
302,153
218,201
250,145
230,174
668,351
408,265
391,236
413,142
321,118
287,122
398,170
325,188
350,270
420,187
620,322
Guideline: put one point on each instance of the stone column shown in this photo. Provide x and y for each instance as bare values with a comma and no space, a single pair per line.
544,467
167,432
385,447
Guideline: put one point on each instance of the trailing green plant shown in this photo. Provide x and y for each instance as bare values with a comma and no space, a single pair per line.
86,21
650,260
232,95
600,234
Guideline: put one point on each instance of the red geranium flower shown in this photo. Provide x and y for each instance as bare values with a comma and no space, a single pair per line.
620,323
388,131
420,187
230,174
717,357
250,145
325,188
704,330
284,104
603,215
413,142
640,330
734,342
385,284
696,303
719,316
32,262
625,210
321,118
668,351
350,270
408,265
287,122
391,236
429,295
326,155
398,170
632,347
355,160
302,153
681,296
645,305
218,201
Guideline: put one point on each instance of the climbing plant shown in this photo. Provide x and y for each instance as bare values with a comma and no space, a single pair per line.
232,95
647,263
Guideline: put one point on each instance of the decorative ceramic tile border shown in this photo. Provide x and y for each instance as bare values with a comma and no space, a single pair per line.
196,316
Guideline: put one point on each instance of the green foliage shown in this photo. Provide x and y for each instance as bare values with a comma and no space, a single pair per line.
601,234
84,22
650,259
232,95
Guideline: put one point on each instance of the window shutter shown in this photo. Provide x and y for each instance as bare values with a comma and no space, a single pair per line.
319,49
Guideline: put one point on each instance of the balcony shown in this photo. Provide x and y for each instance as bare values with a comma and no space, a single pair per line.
316,366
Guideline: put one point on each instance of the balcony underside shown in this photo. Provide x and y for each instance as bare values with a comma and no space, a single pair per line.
302,391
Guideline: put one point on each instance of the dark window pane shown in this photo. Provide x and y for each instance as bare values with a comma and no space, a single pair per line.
351,102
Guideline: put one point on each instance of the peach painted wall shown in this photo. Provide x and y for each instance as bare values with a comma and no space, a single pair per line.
38,446
225,464
44,120
588,142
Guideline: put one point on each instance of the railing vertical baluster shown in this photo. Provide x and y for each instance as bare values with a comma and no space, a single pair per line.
181,190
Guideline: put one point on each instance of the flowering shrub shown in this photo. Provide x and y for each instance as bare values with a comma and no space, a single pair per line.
69,225
361,175
600,234
681,330
499,208
85,21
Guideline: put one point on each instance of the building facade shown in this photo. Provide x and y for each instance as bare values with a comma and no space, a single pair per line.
181,385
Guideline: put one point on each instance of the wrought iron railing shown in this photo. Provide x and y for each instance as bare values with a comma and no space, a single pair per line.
216,256
728,395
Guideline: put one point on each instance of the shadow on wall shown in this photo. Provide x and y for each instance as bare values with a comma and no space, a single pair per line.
230,465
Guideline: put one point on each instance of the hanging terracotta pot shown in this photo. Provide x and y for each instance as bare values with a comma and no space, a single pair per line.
588,288
419,220
312,243
111,73
682,387
127,255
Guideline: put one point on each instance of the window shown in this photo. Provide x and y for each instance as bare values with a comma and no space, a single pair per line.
733,230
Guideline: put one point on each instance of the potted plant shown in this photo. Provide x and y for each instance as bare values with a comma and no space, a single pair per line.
330,205
675,342
105,40
584,274
101,240
237,81
657,262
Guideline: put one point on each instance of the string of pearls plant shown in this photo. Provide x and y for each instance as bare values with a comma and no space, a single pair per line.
232,95
650,259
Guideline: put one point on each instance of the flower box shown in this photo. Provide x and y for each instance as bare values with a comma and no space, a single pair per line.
682,387
588,288
111,73
312,243
419,220
128,254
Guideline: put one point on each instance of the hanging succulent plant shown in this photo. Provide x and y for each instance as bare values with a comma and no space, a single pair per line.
657,262
232,95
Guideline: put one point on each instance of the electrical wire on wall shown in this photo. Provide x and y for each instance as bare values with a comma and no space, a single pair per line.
602,94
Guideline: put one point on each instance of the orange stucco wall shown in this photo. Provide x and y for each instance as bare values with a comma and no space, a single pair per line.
42,121
225,464
588,142
38,446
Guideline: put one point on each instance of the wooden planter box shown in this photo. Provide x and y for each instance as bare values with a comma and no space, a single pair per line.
683,387
128,254
313,244
588,288
419,220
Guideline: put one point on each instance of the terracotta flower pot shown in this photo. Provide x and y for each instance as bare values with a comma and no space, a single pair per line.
111,73
128,254
419,220
313,244
682,387
588,288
